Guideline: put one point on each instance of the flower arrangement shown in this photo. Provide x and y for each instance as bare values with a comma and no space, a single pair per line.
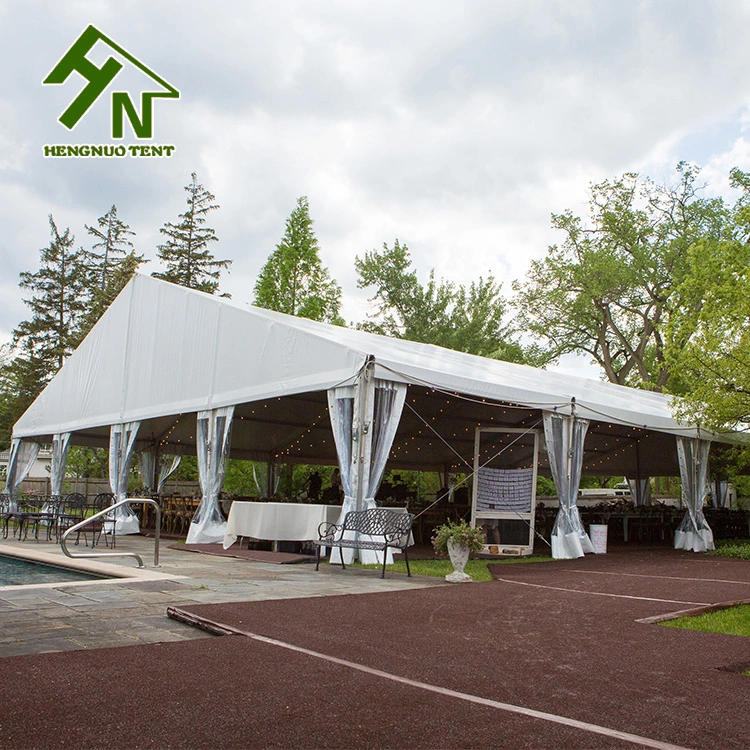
461,534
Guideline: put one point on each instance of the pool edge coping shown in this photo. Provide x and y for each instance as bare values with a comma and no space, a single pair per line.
114,573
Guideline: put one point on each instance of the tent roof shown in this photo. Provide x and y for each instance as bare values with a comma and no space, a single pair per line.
162,351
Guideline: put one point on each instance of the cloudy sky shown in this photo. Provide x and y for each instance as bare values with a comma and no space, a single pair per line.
456,127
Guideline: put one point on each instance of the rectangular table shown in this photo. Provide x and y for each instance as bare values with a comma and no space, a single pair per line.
277,521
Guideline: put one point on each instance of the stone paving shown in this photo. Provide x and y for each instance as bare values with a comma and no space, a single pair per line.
131,611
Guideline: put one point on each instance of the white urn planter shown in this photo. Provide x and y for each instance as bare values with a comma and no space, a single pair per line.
459,556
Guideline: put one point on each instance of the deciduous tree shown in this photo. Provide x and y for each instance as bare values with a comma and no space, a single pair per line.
610,289
710,334
294,280
468,319
22,376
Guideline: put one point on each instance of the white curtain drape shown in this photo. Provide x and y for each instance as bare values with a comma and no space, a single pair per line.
121,444
640,491
147,468
720,493
23,453
564,437
341,411
383,421
389,403
60,445
213,431
167,466
693,533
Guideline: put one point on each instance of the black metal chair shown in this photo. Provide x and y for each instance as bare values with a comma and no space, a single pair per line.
72,511
105,525
5,513
33,512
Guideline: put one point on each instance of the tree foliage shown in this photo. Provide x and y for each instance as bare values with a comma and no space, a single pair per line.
112,247
710,333
87,462
22,376
39,346
111,262
186,254
294,280
59,292
612,286
467,319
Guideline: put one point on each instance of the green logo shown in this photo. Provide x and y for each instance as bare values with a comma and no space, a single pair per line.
98,79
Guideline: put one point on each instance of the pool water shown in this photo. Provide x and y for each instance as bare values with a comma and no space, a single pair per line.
15,571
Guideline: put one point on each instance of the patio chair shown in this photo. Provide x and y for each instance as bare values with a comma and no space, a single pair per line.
186,508
51,507
71,510
105,525
5,513
33,512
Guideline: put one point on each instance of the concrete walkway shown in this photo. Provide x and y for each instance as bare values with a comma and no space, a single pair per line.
131,611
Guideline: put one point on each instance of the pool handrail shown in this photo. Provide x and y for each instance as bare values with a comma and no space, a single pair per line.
79,526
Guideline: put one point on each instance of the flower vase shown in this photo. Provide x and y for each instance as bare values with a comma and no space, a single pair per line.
459,556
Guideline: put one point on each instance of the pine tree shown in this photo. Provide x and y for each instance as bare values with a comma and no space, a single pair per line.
38,347
113,246
294,280
59,297
185,253
112,261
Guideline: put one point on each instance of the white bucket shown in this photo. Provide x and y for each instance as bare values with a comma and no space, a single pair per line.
598,535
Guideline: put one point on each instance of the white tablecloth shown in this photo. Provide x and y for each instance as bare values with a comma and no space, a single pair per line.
277,521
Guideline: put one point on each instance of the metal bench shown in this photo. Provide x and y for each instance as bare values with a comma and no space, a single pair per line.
375,529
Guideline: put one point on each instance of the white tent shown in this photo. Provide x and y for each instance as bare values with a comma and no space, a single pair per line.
164,358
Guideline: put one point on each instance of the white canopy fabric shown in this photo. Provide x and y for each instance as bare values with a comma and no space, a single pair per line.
640,490
162,349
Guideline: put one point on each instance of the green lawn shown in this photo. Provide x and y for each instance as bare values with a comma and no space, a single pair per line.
739,548
731,621
439,568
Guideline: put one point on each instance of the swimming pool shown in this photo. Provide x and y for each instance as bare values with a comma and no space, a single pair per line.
16,571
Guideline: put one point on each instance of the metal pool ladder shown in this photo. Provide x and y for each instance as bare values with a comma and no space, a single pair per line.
82,524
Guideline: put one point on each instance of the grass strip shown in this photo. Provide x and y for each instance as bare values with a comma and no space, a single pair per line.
729,621
440,567
737,548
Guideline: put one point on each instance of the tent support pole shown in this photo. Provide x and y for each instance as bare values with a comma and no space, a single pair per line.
269,476
638,490
362,432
